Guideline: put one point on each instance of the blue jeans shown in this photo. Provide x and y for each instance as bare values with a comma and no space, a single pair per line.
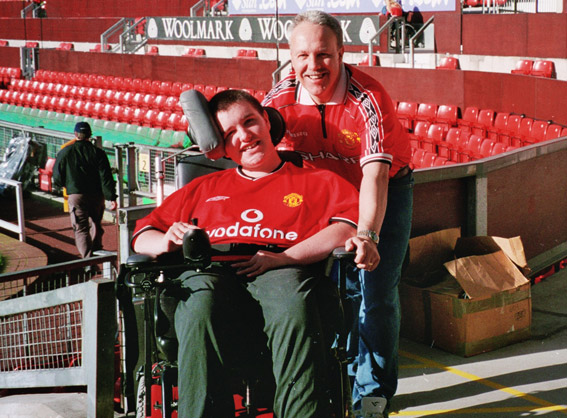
373,343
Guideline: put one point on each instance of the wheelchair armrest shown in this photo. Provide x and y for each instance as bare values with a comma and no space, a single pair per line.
340,253
140,260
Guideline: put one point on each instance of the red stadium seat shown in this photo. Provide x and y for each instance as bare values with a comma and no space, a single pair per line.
137,85
171,104
472,149
435,137
146,85
485,120
486,146
252,54
241,53
564,132
499,127
109,96
427,112
137,100
127,114
448,63
440,161
428,159
165,88
88,109
447,116
159,102
260,95
543,68
149,119
161,120
470,116
173,122
107,111
117,114
538,131
419,133
45,175
138,116
406,113
127,84
521,138
498,148
176,88
153,50
553,132
523,66
512,129
210,91
148,101
199,87
417,157
374,62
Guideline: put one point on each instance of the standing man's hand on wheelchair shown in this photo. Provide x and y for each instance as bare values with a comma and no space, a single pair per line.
367,257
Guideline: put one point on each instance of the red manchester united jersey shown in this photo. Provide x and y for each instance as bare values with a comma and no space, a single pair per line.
358,126
282,208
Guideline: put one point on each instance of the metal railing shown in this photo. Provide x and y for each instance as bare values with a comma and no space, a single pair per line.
20,227
58,328
378,33
414,37
276,74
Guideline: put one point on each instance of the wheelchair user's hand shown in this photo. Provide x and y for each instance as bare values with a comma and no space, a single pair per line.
261,262
367,257
173,238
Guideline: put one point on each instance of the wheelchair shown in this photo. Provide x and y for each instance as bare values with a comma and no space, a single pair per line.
146,294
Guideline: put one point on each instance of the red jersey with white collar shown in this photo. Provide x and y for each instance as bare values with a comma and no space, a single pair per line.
282,208
359,125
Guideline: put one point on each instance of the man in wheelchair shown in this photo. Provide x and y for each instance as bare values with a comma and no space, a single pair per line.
264,296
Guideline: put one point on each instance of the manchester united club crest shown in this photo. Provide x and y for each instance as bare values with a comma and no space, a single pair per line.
349,140
293,200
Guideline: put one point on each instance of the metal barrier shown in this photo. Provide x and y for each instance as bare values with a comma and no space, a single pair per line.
58,328
19,228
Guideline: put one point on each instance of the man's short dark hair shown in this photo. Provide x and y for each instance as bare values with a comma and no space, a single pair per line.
226,98
318,17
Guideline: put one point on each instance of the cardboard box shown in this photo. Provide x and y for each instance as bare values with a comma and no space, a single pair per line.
465,295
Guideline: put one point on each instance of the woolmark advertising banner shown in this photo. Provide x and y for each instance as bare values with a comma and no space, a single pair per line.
358,30
263,7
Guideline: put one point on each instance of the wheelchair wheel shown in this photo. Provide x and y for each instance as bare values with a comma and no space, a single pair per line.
141,398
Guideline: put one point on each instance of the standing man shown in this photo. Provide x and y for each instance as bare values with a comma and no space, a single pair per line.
339,118
84,171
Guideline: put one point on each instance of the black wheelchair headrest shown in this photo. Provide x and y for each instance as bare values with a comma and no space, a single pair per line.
204,131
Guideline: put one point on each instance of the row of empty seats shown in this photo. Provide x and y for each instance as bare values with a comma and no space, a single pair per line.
478,133
247,54
128,84
150,117
8,74
538,68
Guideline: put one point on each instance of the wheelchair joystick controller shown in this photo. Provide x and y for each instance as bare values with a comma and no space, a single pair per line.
197,248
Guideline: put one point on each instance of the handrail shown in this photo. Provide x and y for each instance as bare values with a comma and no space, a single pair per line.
20,228
196,7
26,9
128,32
378,33
110,31
419,32
276,73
